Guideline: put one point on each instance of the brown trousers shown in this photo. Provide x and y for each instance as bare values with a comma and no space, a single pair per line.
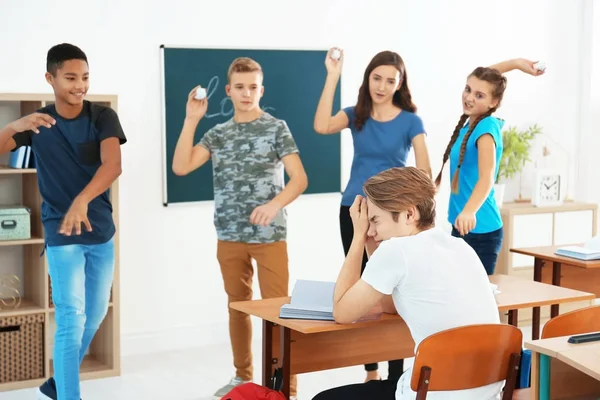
235,259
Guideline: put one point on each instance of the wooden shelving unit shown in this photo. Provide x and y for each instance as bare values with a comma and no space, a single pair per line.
103,359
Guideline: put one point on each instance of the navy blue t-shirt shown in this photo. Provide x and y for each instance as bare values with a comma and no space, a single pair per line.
67,156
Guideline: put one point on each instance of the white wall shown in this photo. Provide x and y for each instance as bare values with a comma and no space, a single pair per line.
171,286
589,140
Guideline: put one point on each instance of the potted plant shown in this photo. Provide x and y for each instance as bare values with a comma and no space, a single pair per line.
517,146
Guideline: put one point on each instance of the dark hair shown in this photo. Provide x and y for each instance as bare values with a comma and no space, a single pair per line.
402,97
399,188
60,53
498,81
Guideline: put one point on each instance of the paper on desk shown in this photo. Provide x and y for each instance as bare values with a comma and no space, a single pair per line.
313,300
494,288
310,300
593,243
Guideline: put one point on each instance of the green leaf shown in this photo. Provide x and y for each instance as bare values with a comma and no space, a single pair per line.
517,145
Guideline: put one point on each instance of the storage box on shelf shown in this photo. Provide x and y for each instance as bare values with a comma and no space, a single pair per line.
28,330
528,226
22,344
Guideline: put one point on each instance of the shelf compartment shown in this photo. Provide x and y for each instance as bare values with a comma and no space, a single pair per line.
22,341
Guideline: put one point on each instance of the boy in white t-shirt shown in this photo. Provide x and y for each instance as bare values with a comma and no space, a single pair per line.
432,280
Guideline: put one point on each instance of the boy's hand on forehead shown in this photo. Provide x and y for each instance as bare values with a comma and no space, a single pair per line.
32,122
359,215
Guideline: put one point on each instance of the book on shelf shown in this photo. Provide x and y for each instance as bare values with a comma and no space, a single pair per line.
22,158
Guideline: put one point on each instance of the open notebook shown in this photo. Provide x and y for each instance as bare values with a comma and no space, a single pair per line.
313,300
310,300
589,251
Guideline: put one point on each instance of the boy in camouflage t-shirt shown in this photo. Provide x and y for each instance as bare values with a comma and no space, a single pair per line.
247,173
249,154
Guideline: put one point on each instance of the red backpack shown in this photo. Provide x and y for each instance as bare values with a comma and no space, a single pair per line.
252,391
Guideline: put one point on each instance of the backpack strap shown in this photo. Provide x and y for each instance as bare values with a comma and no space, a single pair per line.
277,379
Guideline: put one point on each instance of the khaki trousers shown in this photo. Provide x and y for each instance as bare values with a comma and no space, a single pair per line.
235,260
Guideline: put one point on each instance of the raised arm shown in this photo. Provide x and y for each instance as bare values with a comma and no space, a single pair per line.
324,122
521,64
188,157
22,129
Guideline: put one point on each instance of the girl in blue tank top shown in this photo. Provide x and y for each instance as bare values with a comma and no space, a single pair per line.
384,127
475,150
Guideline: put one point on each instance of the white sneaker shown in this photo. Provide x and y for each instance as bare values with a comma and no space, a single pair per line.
227,388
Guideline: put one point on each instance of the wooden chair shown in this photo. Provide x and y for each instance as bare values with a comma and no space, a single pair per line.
468,357
576,322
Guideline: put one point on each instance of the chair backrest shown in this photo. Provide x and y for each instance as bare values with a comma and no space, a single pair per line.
584,320
467,357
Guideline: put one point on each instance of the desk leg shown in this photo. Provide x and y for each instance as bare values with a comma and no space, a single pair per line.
537,276
267,361
544,377
556,271
513,317
285,365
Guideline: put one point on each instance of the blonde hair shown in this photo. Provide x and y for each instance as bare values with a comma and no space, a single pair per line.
243,64
397,189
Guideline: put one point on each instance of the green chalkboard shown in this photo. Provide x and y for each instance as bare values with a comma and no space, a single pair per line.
293,81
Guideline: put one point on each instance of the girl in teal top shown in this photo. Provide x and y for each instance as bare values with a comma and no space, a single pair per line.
475,150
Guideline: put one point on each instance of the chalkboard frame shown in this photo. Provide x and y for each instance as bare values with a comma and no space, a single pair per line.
164,134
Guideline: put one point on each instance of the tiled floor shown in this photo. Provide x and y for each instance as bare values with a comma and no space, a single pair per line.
195,374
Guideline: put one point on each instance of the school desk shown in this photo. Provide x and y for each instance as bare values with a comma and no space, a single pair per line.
301,346
561,370
546,254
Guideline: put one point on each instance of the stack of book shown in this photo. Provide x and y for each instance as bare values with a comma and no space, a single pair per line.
22,158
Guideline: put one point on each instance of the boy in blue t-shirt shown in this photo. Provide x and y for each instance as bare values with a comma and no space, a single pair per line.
77,152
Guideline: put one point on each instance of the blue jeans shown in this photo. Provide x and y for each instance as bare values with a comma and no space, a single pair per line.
486,245
82,277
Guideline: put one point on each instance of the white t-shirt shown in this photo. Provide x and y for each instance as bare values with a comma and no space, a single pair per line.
437,282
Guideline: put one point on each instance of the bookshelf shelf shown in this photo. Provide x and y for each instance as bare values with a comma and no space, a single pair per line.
24,242
23,258
6,170
27,307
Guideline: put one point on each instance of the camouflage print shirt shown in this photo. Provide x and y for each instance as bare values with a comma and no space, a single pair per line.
248,172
